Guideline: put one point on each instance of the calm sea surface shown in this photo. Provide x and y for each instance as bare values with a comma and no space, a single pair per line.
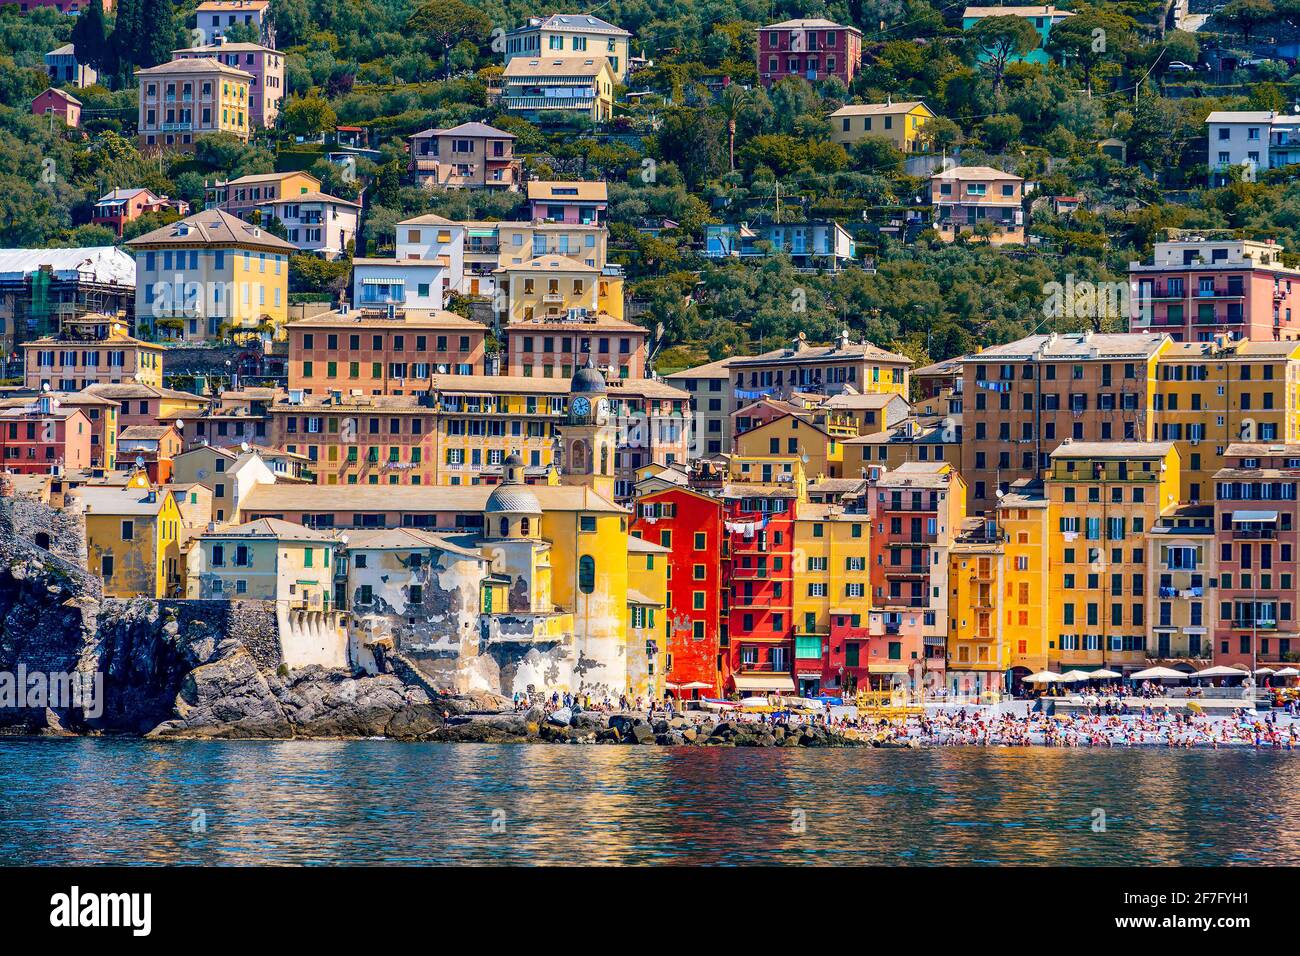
371,802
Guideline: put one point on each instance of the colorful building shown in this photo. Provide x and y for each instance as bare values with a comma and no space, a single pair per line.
69,362
570,35
985,202
569,202
820,369
468,156
560,89
44,437
814,49
1041,18
264,66
241,196
132,539
1103,499
903,124
58,103
183,99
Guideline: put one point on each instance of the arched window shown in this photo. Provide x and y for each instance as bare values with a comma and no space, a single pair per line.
524,527
505,527
579,463
604,459
586,574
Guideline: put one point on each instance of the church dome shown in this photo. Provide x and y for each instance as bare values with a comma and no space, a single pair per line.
512,499
587,380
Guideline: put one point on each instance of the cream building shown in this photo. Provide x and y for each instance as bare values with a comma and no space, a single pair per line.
186,98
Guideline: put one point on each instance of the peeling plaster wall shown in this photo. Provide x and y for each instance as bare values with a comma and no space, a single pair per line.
312,638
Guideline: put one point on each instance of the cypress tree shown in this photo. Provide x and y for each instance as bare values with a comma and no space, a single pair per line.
157,32
126,31
90,36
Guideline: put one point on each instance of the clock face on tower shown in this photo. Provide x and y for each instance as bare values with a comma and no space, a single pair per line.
581,407
602,411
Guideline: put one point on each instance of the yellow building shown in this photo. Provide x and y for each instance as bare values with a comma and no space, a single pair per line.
816,440
648,619
1103,499
68,363
132,539
1022,516
210,276
556,286
1210,394
831,594
545,89
978,655
910,440
903,124
267,560
186,98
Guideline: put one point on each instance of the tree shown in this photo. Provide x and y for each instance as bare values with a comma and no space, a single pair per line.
733,102
157,33
1089,38
999,40
448,22
1246,15
308,115
90,36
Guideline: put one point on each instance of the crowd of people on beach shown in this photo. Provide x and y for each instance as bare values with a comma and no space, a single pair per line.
1105,722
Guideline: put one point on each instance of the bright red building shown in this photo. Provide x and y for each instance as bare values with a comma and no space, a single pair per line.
758,586
814,49
690,524
36,438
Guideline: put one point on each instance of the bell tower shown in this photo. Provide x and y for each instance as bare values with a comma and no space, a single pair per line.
588,438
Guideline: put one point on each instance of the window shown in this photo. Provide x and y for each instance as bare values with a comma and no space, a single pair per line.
586,574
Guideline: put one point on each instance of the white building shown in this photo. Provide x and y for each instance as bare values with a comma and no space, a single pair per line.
428,265
1252,140
316,222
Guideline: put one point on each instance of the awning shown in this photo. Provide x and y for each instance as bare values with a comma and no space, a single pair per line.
756,682
1238,517
887,667
381,281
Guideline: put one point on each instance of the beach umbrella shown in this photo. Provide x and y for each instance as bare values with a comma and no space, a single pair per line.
696,685
1073,677
1043,677
1158,673
1288,672
1104,674
1222,671
1265,670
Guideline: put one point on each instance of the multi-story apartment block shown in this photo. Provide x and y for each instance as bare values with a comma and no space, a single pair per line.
903,124
820,369
820,244
490,246
1041,18
1024,398
100,412
712,404
813,49
1103,499
208,272
556,287
468,156
978,199
557,346
909,440
689,525
1256,525
832,599
1022,520
370,352
44,437
1182,568
817,439
978,656
267,560
559,90
428,265
317,223
570,202
263,64
216,17
241,196
1250,142
69,362
1197,289
570,35
916,512
1211,394
186,98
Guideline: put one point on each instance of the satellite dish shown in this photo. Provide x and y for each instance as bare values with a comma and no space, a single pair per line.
243,446
139,461
180,424
45,386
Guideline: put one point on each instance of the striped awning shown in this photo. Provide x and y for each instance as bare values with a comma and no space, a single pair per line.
756,682
381,281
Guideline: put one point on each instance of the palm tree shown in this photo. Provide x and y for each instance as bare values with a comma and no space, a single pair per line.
734,100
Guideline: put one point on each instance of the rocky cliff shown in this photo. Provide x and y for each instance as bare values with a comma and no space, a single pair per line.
182,668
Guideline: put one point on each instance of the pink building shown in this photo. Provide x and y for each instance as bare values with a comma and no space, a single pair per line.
64,105
1196,289
813,49
574,202
1257,520
71,7
266,66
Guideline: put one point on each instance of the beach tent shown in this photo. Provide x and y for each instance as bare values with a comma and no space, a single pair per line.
1043,677
1222,671
1158,673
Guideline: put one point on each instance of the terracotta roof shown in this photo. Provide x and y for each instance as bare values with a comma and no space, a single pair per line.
213,227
